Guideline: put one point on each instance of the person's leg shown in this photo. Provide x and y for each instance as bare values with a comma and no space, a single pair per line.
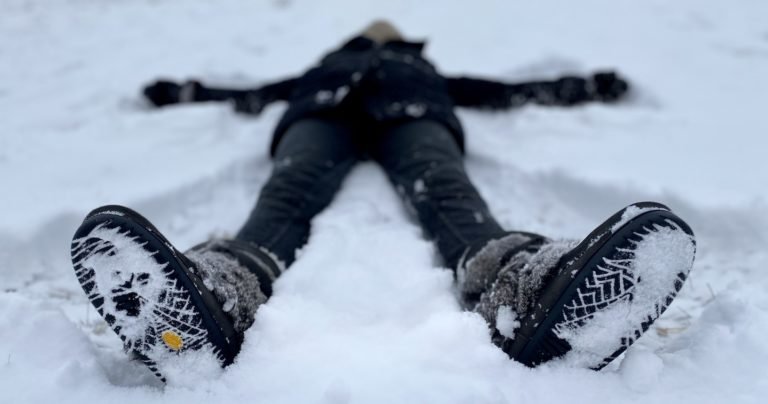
426,166
542,298
311,161
162,302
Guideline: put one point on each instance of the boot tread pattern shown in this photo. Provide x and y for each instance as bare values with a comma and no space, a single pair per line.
145,304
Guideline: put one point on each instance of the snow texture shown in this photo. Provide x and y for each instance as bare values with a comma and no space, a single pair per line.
133,265
629,214
506,322
364,315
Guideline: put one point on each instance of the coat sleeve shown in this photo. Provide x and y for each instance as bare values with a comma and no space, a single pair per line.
565,91
252,101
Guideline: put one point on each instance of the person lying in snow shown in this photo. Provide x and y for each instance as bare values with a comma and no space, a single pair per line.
378,98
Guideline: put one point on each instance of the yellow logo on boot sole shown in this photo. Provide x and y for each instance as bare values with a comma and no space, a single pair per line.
172,340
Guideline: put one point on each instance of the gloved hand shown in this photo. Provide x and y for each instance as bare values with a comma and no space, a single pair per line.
602,86
162,93
608,86
570,90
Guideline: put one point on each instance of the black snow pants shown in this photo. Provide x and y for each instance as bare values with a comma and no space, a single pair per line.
421,159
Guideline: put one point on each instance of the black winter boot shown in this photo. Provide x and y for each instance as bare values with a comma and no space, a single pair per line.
589,301
163,303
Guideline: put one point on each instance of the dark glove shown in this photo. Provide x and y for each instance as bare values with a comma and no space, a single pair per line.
162,93
251,103
608,87
570,90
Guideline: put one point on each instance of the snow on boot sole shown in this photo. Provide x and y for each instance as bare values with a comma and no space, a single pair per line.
614,285
146,290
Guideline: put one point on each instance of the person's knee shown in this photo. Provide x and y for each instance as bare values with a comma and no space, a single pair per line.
317,139
427,135
429,164
291,181
303,186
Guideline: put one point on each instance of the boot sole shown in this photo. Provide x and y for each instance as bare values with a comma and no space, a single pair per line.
146,291
595,281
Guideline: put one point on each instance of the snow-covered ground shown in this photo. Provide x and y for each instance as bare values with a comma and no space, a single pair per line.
366,315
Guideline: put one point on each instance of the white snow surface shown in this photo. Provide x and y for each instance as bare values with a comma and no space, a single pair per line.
366,315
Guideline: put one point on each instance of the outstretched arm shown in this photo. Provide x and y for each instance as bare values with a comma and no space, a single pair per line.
251,101
565,91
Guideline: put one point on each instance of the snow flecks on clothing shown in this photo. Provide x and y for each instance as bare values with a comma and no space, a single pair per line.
416,110
332,97
507,322
340,94
324,97
518,100
419,186
479,217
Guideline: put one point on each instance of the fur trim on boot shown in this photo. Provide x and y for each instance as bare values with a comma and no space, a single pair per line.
233,284
476,274
519,283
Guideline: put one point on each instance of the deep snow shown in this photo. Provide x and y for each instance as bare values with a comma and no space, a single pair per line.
365,315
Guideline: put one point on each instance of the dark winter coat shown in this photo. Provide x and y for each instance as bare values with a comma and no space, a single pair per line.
385,83
392,82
